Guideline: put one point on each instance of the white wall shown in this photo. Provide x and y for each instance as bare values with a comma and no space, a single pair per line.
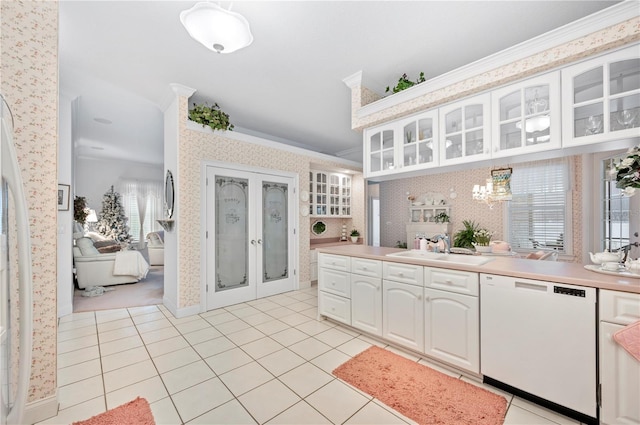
94,177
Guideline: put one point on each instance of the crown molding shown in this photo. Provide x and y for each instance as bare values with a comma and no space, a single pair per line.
582,27
175,90
353,80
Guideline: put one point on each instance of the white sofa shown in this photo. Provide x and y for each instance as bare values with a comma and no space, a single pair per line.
96,269
155,244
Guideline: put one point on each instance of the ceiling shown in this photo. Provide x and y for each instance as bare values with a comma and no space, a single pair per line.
117,58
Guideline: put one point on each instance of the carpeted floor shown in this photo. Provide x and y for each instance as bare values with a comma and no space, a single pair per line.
419,392
148,291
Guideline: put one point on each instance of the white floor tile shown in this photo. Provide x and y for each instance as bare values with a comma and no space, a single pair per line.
313,327
78,356
330,360
79,392
271,327
373,414
245,336
232,326
76,333
295,319
147,309
159,335
268,400
128,375
119,333
245,378
201,398
289,336
518,416
164,412
333,337
258,318
149,317
281,361
115,324
175,359
150,389
305,379
192,326
266,306
280,312
220,318
119,345
202,335
309,348
228,360
104,316
337,401
261,347
76,324
300,414
187,376
230,413
214,346
542,411
245,311
168,345
77,343
79,372
354,347
124,358
78,317
79,412
153,326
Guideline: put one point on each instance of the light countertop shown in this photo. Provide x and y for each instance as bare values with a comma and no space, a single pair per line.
550,271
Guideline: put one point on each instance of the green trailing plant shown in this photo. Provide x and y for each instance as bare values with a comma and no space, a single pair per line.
211,116
442,217
466,237
80,210
404,83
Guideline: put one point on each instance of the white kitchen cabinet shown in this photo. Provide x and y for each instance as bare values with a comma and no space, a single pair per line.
380,150
619,370
366,303
465,130
330,194
452,328
601,98
526,116
403,314
334,287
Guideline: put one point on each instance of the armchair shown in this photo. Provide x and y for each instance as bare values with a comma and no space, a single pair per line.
96,269
155,244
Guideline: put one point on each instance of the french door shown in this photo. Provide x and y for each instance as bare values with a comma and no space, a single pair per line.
250,235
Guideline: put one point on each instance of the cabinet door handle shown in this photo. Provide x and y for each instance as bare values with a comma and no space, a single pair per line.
419,297
448,281
364,268
400,274
426,298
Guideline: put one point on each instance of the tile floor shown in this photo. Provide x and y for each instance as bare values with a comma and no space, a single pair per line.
264,361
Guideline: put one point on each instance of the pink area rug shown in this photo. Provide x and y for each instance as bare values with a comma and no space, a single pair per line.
136,412
419,392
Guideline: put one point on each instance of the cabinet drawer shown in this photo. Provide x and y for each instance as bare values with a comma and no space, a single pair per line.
366,267
335,307
619,307
452,281
405,273
334,281
336,262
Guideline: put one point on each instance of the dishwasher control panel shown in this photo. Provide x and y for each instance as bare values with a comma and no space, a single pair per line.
569,291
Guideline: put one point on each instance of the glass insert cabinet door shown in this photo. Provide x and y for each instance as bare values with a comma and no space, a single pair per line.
249,236
419,146
603,95
464,130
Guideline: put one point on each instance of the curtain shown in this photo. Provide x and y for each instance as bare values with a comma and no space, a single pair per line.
142,201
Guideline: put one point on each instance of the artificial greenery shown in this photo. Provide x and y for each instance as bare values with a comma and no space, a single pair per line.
211,116
483,237
466,237
355,233
442,217
80,210
400,244
404,83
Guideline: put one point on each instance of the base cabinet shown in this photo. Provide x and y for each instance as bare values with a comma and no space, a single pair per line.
366,304
452,328
403,314
619,370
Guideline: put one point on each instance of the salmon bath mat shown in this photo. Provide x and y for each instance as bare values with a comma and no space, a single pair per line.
136,412
419,392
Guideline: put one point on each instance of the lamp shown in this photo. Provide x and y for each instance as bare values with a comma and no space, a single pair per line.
496,188
215,28
91,219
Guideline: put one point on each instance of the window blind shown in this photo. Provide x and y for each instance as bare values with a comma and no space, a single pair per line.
538,210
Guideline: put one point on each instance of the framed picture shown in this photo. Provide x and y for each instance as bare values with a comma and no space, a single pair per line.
63,197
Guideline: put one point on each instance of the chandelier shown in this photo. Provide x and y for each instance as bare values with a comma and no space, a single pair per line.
219,30
497,188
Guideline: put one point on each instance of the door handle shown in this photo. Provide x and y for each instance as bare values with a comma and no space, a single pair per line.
253,241
259,241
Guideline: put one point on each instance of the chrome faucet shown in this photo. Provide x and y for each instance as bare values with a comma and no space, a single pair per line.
445,238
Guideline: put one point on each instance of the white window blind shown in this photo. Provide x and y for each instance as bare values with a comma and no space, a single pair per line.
142,203
538,212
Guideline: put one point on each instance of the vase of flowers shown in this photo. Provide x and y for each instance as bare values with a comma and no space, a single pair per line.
482,238
627,172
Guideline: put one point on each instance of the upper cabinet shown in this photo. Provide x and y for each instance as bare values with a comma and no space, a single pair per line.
526,116
601,98
465,131
407,144
330,194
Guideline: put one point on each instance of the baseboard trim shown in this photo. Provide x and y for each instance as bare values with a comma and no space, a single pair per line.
39,410
187,311
171,306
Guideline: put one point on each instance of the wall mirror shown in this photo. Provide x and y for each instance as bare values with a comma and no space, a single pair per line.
318,228
169,194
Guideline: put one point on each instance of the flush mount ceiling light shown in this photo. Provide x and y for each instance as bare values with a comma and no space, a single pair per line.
215,28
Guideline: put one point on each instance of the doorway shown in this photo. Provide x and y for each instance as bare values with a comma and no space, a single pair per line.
250,228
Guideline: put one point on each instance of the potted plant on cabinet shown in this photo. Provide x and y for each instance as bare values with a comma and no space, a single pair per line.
482,238
354,236
211,116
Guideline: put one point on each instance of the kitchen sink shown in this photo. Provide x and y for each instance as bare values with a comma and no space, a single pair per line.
475,260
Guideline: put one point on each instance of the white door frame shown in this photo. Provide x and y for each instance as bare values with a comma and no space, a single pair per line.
294,208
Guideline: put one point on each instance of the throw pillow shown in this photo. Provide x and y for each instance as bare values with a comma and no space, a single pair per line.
86,246
109,249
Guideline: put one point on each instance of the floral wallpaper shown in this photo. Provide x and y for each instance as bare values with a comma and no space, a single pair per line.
29,82
200,145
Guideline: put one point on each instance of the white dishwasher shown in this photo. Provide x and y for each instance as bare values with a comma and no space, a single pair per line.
540,337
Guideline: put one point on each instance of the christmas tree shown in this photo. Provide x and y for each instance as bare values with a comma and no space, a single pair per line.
113,222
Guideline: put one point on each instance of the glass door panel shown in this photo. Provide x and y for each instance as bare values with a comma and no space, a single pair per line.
588,120
624,76
232,233
588,85
275,238
624,112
